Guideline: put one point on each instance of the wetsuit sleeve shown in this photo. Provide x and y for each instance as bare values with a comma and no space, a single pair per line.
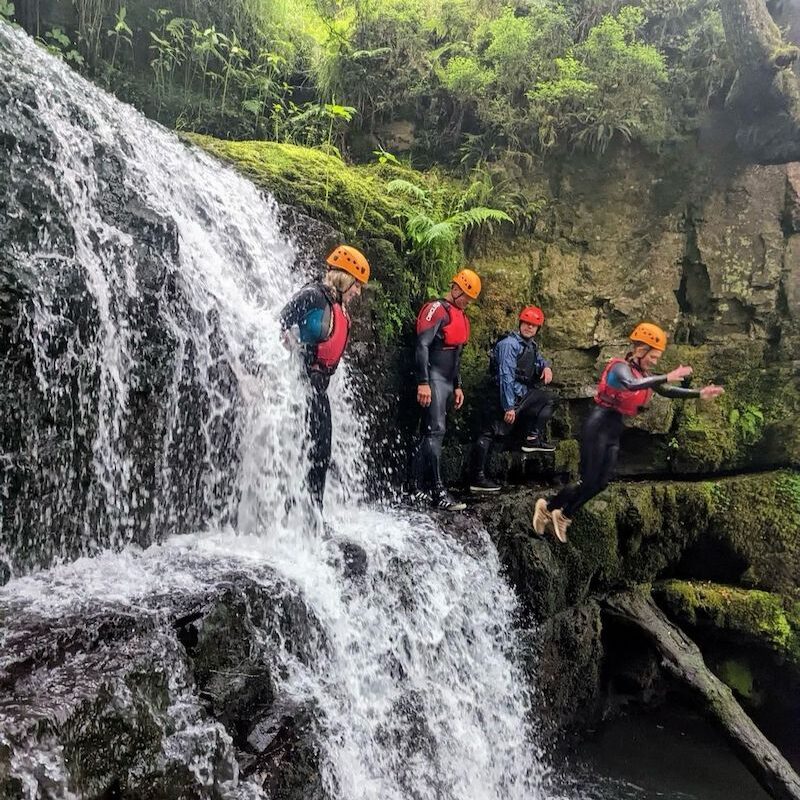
507,353
621,377
677,392
297,309
429,323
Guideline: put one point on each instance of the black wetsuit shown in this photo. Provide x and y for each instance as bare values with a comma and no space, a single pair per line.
518,386
311,309
600,438
437,364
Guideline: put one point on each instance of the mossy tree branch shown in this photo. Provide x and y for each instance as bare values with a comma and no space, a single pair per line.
766,92
682,659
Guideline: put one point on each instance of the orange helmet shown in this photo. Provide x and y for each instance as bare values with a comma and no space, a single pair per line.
533,315
649,334
350,260
468,282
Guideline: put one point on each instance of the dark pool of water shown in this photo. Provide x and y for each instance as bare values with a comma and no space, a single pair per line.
672,754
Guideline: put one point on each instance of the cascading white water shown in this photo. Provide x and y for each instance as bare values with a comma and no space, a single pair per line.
415,687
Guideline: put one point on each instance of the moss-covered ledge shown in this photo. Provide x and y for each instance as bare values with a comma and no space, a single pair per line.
350,198
741,530
749,617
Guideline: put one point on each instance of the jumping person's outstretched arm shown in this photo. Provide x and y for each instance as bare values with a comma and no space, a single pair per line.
622,377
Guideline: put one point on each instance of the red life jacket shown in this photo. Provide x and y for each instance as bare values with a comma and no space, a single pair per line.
628,403
455,332
330,351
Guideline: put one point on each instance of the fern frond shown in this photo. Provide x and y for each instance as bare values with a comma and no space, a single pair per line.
471,217
400,186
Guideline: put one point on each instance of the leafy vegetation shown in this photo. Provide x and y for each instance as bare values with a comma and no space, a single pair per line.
476,80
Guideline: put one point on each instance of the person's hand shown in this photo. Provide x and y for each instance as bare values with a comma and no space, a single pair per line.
679,373
547,375
424,395
710,392
510,416
458,399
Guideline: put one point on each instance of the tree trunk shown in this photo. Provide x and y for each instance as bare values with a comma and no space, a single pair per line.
766,92
683,660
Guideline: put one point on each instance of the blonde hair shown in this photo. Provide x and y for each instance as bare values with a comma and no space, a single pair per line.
338,279
636,346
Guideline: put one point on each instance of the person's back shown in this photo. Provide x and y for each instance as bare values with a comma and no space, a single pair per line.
316,319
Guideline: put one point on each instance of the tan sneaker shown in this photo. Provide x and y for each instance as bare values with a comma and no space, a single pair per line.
560,524
541,517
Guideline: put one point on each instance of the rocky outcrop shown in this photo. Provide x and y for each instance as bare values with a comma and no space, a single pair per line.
158,703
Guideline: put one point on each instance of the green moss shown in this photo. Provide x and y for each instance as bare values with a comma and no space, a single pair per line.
567,458
753,422
739,677
750,616
351,199
757,518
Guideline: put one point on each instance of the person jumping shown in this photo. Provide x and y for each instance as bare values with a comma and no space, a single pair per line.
625,388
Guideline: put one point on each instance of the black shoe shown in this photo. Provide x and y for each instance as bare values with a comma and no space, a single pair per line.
441,499
534,444
419,497
480,484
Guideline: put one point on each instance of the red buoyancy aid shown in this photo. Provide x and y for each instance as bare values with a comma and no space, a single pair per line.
629,403
330,352
455,332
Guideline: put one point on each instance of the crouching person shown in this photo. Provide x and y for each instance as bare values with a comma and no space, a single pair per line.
519,404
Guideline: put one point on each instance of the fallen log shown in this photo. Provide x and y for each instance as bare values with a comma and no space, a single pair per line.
683,660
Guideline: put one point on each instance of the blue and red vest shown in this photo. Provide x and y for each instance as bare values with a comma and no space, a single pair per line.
626,401
330,351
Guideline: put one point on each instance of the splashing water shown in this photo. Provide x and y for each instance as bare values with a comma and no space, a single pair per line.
414,683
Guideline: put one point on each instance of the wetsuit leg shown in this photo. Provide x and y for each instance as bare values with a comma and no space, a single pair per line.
534,411
428,454
599,451
493,432
319,454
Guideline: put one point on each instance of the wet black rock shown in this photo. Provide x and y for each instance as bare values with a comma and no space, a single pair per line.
163,702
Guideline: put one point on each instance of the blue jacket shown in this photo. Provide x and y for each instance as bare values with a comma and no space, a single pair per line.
507,351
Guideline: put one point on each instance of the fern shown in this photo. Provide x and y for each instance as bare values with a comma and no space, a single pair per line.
400,186
472,217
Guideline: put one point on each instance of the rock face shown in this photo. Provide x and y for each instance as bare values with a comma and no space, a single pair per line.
742,531
713,258
65,392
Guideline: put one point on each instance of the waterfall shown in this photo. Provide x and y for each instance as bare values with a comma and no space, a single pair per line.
152,465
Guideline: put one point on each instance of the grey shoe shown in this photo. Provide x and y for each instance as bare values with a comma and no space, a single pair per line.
535,444
480,484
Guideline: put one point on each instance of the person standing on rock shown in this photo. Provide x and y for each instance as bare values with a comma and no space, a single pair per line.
316,318
519,403
625,388
442,332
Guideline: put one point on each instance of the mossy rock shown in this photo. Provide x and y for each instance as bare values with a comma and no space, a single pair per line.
748,617
752,424
744,530
351,199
